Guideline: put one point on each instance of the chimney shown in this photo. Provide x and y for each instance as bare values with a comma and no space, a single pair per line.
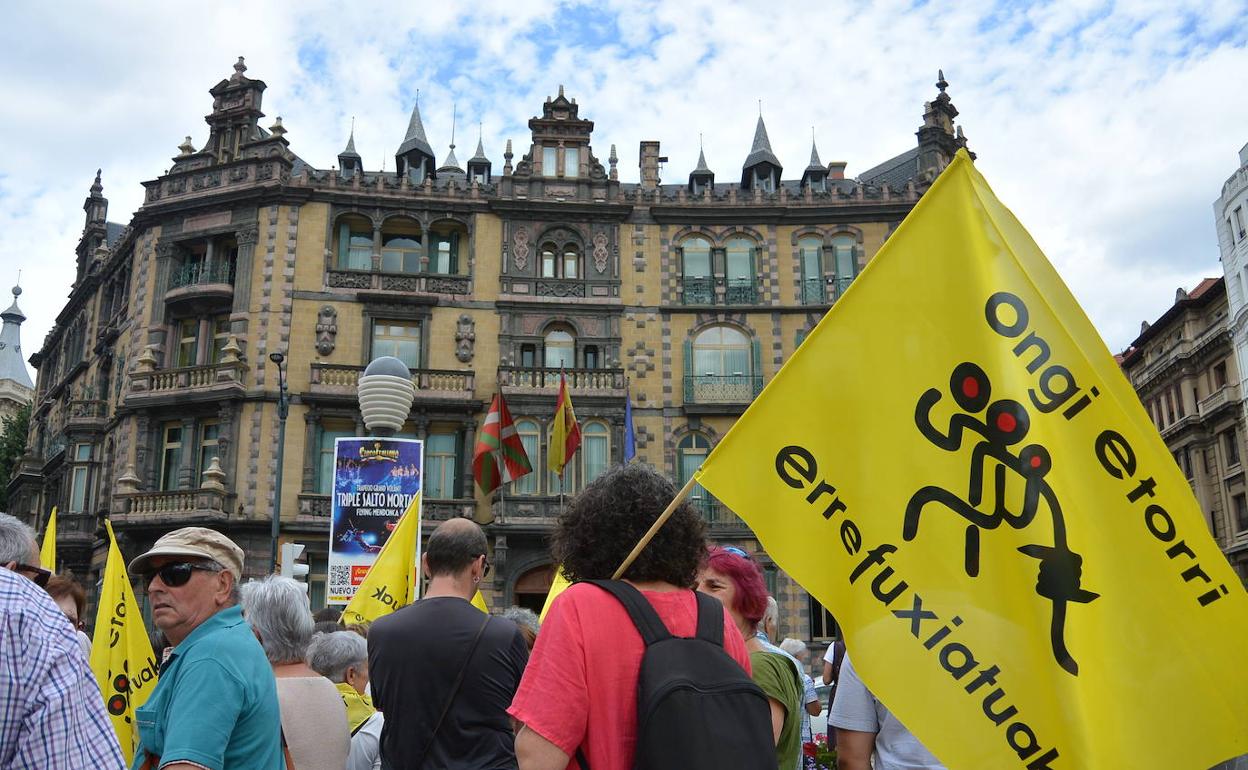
649,163
836,169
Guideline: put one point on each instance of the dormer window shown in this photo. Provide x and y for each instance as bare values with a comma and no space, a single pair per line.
764,182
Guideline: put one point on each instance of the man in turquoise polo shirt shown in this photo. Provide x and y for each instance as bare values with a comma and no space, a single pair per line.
215,705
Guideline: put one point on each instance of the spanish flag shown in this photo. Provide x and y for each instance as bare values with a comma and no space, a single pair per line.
955,466
122,659
392,582
565,435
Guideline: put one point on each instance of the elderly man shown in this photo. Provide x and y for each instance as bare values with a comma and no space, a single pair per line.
444,672
51,711
215,705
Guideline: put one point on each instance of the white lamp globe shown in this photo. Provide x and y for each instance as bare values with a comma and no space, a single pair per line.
386,393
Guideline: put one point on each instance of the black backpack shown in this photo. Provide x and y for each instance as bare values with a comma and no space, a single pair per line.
696,707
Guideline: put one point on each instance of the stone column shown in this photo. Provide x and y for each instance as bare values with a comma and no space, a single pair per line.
311,443
246,239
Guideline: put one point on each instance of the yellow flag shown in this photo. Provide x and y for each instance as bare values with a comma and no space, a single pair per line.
47,551
121,654
954,464
391,581
556,587
478,601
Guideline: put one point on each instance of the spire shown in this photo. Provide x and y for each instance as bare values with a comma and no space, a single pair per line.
451,163
479,155
815,163
349,161
12,367
97,187
701,177
415,139
760,151
350,150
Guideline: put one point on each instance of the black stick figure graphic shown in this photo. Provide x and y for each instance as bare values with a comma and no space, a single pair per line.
1006,423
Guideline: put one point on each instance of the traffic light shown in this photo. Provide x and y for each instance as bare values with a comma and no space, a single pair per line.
291,568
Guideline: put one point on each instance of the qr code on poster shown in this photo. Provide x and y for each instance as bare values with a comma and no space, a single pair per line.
340,578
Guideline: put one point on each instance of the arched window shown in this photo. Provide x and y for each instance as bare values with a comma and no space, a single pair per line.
740,272
446,240
720,367
846,263
355,243
401,248
550,265
571,261
595,450
530,436
561,261
560,348
690,453
695,265
810,251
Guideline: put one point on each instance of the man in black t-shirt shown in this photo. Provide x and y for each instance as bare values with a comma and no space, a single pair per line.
443,672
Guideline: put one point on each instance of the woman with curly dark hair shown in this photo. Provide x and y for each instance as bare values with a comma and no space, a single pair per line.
579,691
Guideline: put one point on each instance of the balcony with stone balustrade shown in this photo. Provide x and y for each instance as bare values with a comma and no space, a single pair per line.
150,386
544,380
431,384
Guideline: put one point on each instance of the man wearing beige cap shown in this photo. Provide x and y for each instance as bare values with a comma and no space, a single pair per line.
215,705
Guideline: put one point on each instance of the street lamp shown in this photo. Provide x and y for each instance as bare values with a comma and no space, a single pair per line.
386,393
283,409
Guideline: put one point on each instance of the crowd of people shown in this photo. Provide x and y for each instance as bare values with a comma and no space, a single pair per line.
250,678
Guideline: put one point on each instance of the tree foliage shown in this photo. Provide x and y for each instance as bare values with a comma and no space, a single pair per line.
12,446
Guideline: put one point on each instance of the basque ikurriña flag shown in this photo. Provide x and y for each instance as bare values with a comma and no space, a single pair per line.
498,441
955,466
565,434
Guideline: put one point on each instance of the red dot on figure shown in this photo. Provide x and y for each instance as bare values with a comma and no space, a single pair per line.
1006,422
970,387
1035,462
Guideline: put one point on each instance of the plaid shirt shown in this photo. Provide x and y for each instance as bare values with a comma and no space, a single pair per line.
51,711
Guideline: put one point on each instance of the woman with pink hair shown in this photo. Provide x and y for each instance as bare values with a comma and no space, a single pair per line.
731,576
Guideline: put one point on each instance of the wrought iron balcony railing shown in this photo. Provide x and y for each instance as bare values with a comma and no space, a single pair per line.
741,291
699,291
814,291
722,388
198,273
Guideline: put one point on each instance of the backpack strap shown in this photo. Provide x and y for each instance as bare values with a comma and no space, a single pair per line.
648,622
710,619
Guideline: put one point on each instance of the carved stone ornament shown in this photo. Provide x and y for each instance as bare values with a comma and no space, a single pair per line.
326,329
465,338
600,252
520,247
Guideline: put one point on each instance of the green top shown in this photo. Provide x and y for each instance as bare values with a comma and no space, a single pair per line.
778,679
216,702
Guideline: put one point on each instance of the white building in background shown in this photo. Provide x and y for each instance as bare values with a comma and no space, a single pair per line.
16,387
1230,214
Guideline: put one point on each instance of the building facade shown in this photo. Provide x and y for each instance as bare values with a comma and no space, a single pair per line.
156,390
1184,369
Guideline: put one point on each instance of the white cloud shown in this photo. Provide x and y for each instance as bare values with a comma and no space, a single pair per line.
1108,128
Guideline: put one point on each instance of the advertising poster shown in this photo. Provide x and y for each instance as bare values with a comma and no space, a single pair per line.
374,481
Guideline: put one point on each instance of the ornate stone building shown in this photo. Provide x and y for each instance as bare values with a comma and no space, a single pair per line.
156,386
1183,367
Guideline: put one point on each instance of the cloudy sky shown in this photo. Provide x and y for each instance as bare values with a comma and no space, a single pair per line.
1109,128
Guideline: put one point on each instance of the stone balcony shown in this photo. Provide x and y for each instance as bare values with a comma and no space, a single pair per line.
343,380
543,380
87,414
205,504
1223,397
427,283
149,385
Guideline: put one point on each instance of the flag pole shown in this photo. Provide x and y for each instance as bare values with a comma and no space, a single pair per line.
654,528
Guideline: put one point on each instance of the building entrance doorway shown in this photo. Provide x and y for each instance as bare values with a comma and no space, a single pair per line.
532,587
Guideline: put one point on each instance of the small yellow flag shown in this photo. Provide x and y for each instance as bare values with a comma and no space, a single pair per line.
47,551
478,601
122,659
391,581
556,587
954,465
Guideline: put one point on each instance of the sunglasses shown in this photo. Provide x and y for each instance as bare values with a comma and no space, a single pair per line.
735,551
38,575
178,573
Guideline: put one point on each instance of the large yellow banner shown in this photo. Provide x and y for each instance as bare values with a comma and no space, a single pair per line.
391,582
954,464
121,653
47,550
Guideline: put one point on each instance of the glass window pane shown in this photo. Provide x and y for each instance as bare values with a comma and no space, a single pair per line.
440,465
697,258
844,248
549,161
527,484
82,452
570,259
548,263
560,350
811,249
571,161
595,450
400,339
78,490
739,262
325,477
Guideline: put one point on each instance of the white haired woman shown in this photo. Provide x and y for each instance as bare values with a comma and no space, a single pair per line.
342,658
277,610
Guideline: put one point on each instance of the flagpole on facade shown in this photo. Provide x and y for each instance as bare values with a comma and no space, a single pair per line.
654,528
